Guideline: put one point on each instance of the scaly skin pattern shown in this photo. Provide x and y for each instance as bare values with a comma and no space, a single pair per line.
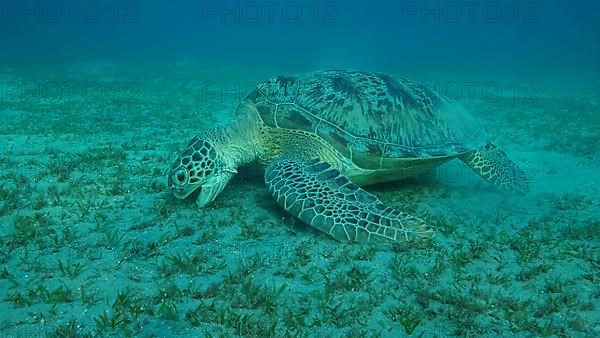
492,163
324,198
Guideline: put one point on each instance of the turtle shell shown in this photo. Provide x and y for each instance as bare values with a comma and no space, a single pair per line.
368,117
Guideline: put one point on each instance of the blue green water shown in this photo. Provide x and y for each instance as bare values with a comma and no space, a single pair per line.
97,98
497,37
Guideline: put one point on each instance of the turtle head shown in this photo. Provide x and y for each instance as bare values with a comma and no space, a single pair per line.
201,167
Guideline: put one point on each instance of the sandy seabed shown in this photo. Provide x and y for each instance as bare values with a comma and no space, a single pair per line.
93,244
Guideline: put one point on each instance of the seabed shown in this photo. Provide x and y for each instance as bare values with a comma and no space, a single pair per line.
93,244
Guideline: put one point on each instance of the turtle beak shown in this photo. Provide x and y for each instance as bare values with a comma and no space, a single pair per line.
212,188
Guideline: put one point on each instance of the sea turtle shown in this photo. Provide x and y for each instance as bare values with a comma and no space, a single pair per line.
321,136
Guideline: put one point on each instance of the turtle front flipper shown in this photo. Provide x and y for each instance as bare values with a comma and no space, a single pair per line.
319,195
491,163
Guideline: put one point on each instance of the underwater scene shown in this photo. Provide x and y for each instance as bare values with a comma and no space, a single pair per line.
304,168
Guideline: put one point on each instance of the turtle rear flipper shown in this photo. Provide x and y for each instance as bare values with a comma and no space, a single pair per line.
491,163
319,195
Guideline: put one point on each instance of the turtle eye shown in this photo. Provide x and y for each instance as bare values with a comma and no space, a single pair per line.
180,176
